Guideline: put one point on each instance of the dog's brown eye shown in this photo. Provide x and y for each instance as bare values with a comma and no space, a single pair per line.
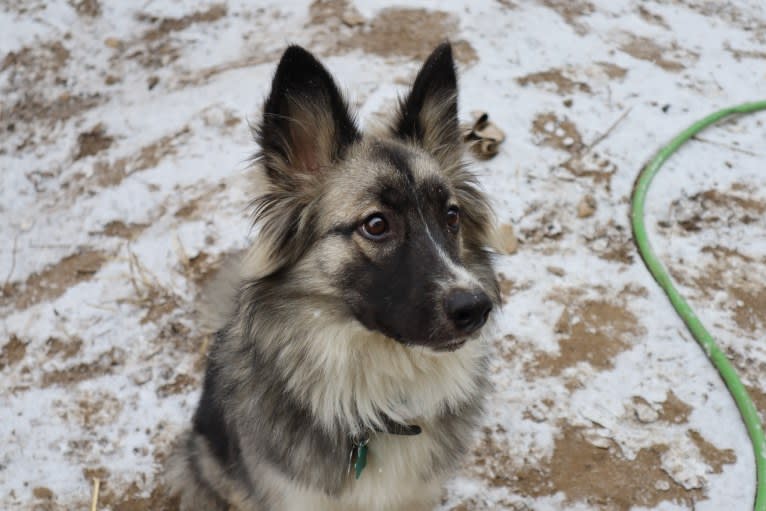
453,217
375,227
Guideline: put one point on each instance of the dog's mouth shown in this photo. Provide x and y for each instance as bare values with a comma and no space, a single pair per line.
450,346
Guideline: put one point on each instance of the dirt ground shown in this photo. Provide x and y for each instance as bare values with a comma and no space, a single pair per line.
124,141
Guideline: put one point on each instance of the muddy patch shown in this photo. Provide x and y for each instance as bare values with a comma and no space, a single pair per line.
33,64
393,32
53,282
713,208
99,409
65,349
611,242
571,11
590,331
104,364
181,383
134,498
559,133
613,71
651,17
555,79
12,352
93,141
669,58
583,472
745,54
119,229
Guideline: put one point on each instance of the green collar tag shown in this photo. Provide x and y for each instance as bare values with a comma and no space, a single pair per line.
361,459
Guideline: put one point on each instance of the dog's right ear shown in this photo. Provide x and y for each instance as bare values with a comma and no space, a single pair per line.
306,122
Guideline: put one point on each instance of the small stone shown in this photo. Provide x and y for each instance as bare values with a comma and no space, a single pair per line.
662,485
586,207
141,376
111,79
553,230
508,242
568,102
112,42
152,82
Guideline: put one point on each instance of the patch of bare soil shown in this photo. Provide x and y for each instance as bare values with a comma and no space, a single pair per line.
111,173
600,476
613,71
393,32
119,229
104,364
12,352
555,77
716,458
591,331
33,64
133,498
668,58
571,11
98,410
156,46
52,282
651,17
611,242
745,54
711,208
556,132
66,349
86,8
34,107
181,383
93,141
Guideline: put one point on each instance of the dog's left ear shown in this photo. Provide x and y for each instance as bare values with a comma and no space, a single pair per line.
428,114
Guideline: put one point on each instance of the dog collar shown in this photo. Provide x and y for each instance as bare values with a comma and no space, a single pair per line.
358,457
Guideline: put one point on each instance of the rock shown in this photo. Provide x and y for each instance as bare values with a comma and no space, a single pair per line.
352,18
645,413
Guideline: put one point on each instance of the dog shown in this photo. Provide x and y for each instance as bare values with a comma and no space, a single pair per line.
352,365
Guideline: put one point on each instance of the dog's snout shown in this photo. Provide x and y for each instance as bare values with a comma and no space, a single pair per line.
468,310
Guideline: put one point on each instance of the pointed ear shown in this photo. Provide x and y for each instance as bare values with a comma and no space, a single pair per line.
306,121
428,114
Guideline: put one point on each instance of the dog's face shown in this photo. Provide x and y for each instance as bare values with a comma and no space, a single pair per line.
393,224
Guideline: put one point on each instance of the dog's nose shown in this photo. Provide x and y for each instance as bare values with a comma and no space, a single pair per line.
468,310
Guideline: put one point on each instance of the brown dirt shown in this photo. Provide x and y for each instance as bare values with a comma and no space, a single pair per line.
712,455
66,349
556,132
181,383
93,141
12,352
592,331
612,242
34,108
134,499
563,84
119,229
583,472
86,8
42,492
571,11
674,410
750,307
98,410
745,54
646,49
393,32
613,71
758,395
103,365
32,64
165,26
653,18
53,281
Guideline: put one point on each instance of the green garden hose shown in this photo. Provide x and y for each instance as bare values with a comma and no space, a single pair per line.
728,373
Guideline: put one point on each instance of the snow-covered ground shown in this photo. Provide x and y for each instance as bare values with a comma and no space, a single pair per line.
124,147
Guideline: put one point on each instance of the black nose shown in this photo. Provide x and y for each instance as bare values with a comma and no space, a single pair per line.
468,310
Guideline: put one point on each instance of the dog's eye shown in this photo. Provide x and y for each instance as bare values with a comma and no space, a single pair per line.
453,218
375,227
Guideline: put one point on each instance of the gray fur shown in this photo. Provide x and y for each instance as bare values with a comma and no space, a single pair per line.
330,333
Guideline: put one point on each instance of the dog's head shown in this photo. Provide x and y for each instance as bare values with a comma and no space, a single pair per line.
392,225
